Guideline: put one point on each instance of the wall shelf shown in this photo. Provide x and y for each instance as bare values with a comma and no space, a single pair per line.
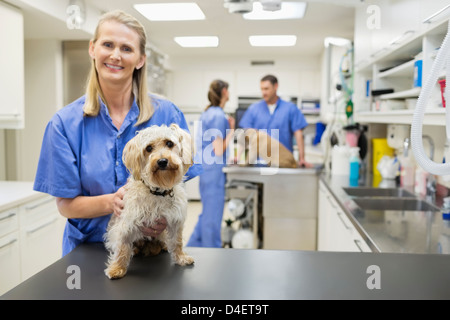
401,55
431,117
411,93
404,70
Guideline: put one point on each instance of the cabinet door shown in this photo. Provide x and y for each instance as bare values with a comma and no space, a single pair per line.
323,229
39,245
335,230
12,83
9,262
40,235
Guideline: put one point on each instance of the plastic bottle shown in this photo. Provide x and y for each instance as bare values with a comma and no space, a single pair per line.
354,166
407,171
444,238
420,181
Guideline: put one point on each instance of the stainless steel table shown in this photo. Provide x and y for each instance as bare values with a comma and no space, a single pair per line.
241,274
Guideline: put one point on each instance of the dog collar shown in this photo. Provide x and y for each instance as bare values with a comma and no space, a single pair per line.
159,192
162,193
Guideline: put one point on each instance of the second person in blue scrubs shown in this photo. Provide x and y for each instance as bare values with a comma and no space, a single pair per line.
274,113
212,141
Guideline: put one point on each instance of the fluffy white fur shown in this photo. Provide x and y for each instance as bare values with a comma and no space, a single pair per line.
142,208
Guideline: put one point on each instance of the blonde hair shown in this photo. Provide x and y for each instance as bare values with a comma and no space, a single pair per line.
93,90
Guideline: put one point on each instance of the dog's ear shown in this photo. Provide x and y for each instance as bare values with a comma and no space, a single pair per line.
186,147
132,157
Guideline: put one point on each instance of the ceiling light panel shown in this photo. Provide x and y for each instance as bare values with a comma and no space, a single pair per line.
289,10
273,41
197,42
170,11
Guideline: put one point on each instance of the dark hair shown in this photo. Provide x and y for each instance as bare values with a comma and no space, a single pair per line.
273,80
215,92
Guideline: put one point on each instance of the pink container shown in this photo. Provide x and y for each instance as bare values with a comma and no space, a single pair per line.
442,84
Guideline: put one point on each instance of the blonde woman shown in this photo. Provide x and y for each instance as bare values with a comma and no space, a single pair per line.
81,156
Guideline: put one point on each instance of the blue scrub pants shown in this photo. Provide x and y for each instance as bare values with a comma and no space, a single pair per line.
212,192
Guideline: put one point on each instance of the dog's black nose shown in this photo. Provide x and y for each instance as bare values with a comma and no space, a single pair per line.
162,163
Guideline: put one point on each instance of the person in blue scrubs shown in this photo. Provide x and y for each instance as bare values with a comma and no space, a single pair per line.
81,155
212,140
274,113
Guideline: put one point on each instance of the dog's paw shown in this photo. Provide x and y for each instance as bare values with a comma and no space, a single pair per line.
184,260
115,272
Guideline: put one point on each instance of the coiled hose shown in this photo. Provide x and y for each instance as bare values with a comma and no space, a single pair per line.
416,128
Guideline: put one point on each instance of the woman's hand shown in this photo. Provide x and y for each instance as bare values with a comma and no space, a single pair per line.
155,229
231,122
118,202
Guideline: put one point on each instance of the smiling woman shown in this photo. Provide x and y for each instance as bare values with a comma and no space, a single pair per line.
81,160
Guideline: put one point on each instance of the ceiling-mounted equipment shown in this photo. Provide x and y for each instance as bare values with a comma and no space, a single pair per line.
271,5
239,6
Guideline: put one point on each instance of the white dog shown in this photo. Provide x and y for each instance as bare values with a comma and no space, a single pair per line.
157,158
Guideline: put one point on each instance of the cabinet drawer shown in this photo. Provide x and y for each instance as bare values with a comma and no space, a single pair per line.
9,221
37,210
40,245
9,262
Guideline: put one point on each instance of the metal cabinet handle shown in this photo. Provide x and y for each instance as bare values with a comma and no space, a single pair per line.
8,244
12,214
41,226
357,242
331,202
342,220
39,204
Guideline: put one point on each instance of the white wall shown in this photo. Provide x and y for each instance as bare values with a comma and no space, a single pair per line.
43,96
189,79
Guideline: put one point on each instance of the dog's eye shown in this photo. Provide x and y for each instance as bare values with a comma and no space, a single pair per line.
169,144
149,149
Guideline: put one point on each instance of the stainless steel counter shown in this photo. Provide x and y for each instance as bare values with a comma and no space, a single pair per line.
389,230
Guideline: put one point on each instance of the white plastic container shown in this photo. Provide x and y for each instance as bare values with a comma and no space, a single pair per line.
340,161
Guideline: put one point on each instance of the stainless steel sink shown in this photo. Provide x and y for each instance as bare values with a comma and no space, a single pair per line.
397,204
379,192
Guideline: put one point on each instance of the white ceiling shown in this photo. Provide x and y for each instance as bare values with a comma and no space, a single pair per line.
323,18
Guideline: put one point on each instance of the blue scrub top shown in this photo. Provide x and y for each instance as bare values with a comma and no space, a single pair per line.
214,123
82,156
287,118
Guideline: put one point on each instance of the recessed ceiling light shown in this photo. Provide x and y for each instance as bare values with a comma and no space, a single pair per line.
170,11
273,41
197,42
289,10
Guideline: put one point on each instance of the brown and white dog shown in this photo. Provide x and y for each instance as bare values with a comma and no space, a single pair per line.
157,158
260,145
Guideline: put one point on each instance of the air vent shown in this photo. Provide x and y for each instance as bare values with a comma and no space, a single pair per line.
262,63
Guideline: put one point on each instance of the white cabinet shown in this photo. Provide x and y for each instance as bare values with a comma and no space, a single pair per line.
391,64
9,249
9,262
12,87
40,235
335,231
30,240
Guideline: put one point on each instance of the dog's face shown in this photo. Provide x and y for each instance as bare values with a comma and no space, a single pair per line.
160,156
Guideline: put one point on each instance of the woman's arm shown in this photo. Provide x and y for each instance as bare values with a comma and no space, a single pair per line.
85,207
219,144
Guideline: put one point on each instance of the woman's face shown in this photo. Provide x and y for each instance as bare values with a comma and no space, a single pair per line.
116,53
